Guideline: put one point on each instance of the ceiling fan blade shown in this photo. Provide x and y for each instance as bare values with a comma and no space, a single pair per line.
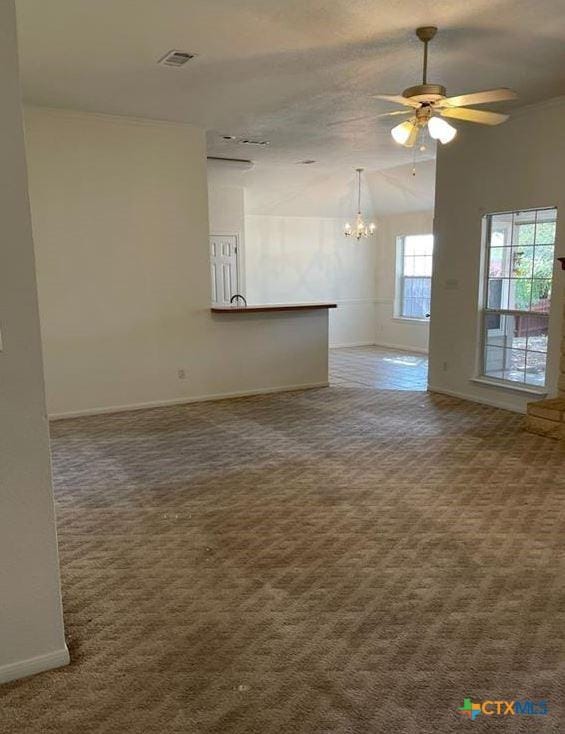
490,95
397,99
396,112
481,116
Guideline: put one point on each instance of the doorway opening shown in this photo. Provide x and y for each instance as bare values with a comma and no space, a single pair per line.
398,360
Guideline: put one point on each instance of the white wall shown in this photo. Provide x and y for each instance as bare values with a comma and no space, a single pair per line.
389,330
226,209
518,165
31,625
120,217
305,259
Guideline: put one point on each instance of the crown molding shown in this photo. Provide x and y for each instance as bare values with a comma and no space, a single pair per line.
69,113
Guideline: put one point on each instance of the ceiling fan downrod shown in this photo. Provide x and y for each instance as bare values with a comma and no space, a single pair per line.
425,93
425,34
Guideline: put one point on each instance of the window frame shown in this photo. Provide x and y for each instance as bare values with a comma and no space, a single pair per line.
400,278
485,311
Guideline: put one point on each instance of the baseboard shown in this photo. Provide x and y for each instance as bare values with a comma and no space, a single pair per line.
185,401
401,347
352,344
493,403
40,664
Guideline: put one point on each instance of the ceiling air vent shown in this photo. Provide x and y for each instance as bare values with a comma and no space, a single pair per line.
246,141
176,58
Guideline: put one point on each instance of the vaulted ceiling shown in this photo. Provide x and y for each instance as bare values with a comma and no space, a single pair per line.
284,70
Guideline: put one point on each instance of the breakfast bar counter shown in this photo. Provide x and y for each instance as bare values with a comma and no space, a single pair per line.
267,307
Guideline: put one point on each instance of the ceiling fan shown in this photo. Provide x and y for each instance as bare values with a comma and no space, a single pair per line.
428,104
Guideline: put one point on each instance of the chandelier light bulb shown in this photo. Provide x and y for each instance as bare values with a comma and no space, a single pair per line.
441,130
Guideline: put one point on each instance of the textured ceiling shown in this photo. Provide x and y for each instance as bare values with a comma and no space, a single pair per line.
284,69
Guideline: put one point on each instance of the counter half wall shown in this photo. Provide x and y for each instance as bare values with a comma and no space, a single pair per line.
275,346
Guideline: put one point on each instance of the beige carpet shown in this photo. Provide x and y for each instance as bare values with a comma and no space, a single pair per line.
345,560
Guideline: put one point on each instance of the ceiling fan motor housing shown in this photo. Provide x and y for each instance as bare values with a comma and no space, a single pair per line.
425,93
423,114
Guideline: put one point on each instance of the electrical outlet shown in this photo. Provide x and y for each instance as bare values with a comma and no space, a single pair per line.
181,374
445,366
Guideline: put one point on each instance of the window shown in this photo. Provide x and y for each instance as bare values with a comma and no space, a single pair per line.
414,281
519,270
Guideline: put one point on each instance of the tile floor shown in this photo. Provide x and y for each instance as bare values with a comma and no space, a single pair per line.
385,369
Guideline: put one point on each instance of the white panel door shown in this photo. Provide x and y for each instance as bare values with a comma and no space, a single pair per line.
223,267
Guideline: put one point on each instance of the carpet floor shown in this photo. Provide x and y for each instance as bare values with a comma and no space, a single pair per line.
336,561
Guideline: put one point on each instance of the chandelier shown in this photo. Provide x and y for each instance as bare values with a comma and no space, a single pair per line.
360,228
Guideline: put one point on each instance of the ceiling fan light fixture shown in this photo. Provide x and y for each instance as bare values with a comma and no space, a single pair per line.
441,130
401,132
427,100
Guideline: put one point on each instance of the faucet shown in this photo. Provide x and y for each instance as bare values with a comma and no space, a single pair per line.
236,296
